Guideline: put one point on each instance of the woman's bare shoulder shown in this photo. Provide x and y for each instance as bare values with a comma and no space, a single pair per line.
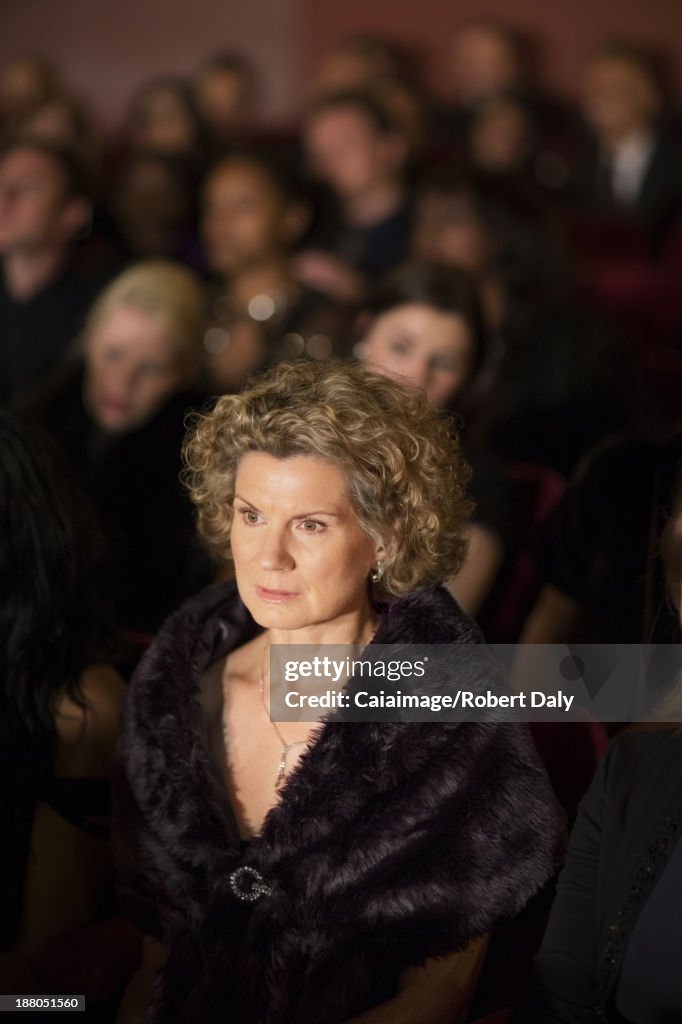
86,736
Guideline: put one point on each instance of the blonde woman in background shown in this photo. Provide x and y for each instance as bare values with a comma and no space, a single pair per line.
119,417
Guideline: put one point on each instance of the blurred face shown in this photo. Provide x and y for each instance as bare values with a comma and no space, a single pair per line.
301,558
618,98
132,369
483,63
430,349
22,85
500,138
34,211
162,123
244,219
222,97
346,151
54,123
447,230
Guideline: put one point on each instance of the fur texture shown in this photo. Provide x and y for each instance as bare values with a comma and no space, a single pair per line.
391,843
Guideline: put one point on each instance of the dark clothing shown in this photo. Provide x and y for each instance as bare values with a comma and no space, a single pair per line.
391,842
489,490
628,826
659,199
564,382
36,336
376,248
133,482
601,543
80,800
649,990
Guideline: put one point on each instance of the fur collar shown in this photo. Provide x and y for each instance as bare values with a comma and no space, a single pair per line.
392,842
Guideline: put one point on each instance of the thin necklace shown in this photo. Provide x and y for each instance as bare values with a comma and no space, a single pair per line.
286,747
282,770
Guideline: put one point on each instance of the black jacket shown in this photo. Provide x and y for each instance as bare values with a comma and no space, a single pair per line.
626,829
392,842
133,482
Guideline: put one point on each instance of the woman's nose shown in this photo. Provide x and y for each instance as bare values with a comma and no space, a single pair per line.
275,555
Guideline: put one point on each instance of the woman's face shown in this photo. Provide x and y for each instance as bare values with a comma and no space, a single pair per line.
430,349
244,220
162,123
132,368
301,557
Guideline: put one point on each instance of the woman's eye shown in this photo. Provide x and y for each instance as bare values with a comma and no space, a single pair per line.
312,526
399,347
248,515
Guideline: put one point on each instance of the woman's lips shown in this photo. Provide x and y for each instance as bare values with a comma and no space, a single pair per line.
275,596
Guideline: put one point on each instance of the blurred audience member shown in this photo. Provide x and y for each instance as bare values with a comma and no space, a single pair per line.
423,323
489,59
355,148
163,118
254,214
64,121
600,561
153,208
563,380
44,206
226,91
120,418
610,951
634,168
358,63
59,710
502,136
26,83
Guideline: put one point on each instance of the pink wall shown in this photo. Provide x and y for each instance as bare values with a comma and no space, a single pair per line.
107,47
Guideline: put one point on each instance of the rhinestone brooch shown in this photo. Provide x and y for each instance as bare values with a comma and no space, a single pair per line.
248,884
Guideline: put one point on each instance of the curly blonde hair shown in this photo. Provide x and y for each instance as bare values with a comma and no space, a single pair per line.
406,473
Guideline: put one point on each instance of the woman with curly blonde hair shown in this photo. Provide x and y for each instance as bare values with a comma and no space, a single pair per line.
292,871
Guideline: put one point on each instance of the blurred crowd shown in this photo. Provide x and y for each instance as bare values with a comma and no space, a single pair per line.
515,254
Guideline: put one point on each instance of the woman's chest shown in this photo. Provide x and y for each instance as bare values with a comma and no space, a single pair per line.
259,755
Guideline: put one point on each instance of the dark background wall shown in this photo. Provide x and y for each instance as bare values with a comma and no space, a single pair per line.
107,47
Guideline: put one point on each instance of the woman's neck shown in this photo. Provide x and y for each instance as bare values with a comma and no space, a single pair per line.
26,274
374,205
355,627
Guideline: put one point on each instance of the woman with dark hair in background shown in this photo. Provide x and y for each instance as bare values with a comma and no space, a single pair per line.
163,118
423,323
563,381
59,710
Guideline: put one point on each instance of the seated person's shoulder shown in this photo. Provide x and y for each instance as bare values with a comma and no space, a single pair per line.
87,734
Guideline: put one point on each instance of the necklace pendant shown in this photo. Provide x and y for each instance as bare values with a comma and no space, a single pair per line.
282,769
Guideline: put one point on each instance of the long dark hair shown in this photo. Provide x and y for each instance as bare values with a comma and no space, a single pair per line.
50,629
